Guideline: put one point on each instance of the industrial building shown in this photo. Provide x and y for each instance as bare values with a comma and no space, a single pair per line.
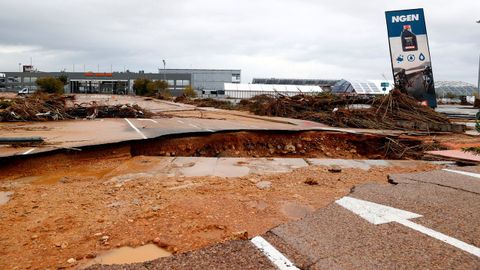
325,84
245,91
122,82
454,88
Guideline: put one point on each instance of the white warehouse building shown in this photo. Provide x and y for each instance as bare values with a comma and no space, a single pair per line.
245,91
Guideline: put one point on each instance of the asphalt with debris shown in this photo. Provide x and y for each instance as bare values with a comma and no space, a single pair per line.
447,202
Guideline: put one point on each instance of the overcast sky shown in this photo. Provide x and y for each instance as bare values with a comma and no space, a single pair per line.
264,38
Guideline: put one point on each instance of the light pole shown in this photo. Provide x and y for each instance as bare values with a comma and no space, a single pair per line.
478,82
164,70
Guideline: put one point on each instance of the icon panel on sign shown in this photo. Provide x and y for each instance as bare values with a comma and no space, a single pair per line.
400,58
421,57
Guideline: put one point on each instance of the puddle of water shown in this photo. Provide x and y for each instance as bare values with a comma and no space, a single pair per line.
295,210
127,255
5,197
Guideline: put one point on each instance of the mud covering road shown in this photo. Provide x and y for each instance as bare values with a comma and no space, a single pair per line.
64,212
426,220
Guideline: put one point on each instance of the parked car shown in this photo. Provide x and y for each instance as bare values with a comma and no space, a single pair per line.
26,91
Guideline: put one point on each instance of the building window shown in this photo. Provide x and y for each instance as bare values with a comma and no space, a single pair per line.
29,79
183,82
14,79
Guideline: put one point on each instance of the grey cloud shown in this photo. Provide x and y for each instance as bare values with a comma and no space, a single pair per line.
280,38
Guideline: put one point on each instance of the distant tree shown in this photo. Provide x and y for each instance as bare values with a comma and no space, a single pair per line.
159,89
50,85
189,92
156,87
64,79
146,87
140,86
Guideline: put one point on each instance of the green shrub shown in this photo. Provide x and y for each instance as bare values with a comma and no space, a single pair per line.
50,85
189,92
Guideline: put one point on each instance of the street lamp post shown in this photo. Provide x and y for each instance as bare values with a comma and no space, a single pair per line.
164,70
478,82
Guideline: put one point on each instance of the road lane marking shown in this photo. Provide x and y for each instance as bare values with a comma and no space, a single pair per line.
181,122
210,130
476,175
192,125
381,214
136,129
151,120
277,258
29,151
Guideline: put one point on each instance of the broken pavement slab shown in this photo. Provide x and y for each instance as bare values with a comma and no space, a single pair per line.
456,155
5,196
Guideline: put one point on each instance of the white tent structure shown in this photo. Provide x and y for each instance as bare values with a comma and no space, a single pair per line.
245,91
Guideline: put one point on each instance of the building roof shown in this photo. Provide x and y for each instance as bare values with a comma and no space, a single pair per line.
457,88
273,88
363,87
286,81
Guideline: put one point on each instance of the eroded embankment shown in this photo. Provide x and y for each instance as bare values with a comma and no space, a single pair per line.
279,144
311,144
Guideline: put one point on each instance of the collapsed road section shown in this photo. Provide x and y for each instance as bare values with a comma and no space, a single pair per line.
79,209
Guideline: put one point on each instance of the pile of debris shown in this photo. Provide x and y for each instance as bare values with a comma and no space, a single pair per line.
393,111
206,102
37,107
92,111
47,107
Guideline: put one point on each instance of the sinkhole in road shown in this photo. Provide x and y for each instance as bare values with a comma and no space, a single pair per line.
313,144
310,144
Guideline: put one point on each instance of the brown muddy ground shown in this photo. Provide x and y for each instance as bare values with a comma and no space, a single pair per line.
66,206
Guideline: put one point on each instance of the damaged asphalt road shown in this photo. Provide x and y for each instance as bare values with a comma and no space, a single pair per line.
370,228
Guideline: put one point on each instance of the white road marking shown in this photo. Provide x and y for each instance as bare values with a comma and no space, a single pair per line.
210,130
181,122
136,129
381,214
476,175
277,258
29,151
151,120
194,126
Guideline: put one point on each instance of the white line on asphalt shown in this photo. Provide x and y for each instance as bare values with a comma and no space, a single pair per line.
29,151
381,214
442,237
136,129
210,130
151,120
181,122
192,125
476,175
277,258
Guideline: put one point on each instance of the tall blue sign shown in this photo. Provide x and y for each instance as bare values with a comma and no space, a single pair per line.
410,54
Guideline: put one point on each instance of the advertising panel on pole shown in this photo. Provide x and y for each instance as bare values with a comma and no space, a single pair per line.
410,54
